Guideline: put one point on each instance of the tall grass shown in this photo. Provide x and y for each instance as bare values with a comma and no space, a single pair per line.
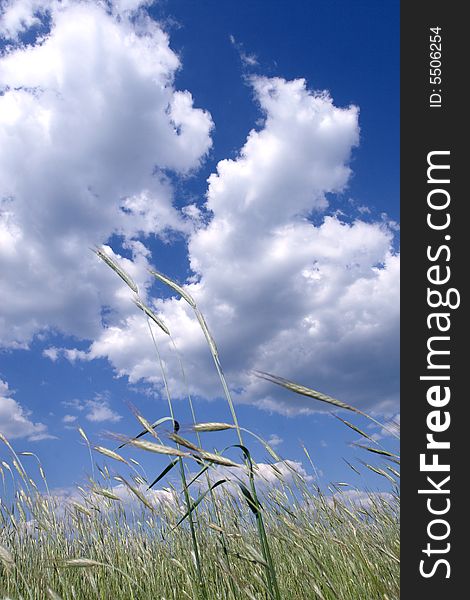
323,547
221,532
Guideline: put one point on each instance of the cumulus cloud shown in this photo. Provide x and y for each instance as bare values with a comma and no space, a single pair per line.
19,15
15,421
286,286
315,300
90,124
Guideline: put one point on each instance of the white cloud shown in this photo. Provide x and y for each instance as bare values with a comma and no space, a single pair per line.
94,109
71,354
52,353
89,122
69,418
158,498
15,420
99,411
315,303
96,410
267,477
65,498
362,499
281,472
19,15
248,60
274,440
392,427
123,6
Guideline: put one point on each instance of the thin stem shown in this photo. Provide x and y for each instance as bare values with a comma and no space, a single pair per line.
270,572
182,473
198,437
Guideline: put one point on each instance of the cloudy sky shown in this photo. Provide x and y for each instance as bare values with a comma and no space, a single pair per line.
247,149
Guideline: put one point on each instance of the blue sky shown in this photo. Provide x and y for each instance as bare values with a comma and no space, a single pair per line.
249,150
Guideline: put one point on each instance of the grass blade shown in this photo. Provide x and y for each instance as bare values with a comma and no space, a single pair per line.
199,500
254,506
166,470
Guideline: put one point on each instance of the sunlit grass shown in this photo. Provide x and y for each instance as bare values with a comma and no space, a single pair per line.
223,531
97,546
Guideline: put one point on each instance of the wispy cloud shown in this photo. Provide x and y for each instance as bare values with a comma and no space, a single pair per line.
274,440
69,418
247,59
97,410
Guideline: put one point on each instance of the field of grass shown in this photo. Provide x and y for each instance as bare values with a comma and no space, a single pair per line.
226,530
321,548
